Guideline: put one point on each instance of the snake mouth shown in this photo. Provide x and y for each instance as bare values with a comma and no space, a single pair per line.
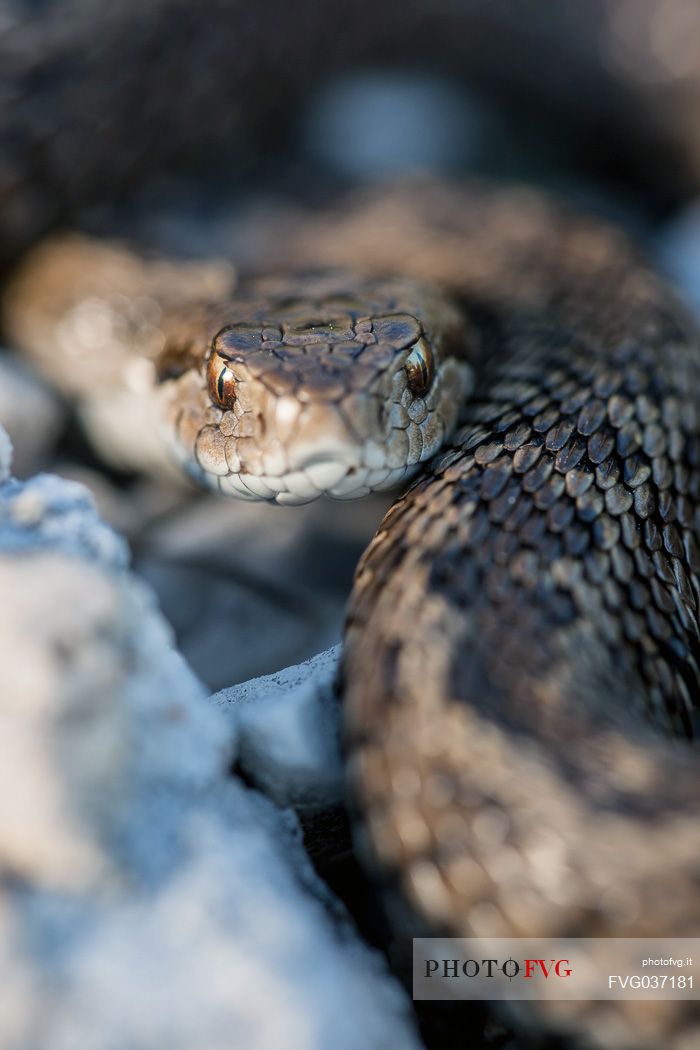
320,476
327,471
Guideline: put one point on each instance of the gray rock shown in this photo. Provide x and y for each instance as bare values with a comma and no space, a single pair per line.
377,125
31,414
5,454
679,252
250,588
247,588
288,731
148,899
47,512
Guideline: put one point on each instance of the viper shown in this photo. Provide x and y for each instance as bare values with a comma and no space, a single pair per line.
520,671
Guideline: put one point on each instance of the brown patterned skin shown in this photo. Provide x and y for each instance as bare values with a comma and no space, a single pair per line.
522,643
525,615
521,659
308,388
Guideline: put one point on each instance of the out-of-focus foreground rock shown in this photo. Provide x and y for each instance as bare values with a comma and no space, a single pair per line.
148,898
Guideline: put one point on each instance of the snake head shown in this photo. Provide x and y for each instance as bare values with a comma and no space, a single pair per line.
336,385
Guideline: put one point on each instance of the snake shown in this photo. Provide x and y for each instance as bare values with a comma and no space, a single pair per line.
520,676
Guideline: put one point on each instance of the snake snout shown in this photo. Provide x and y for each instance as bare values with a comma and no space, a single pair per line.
323,445
302,451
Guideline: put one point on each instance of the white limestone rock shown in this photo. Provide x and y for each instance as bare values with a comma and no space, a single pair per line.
47,512
148,898
288,732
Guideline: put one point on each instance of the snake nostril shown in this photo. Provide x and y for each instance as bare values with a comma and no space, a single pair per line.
261,424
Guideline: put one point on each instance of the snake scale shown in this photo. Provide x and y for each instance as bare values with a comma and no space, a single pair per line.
520,673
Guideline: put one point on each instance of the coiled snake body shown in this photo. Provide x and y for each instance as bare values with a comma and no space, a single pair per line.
521,660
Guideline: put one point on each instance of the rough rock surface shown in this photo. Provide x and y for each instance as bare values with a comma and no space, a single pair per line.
288,730
148,899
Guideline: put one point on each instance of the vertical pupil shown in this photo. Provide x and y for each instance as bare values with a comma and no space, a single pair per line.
418,371
221,384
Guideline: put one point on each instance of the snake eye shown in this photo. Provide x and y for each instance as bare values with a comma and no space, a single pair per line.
221,382
420,368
